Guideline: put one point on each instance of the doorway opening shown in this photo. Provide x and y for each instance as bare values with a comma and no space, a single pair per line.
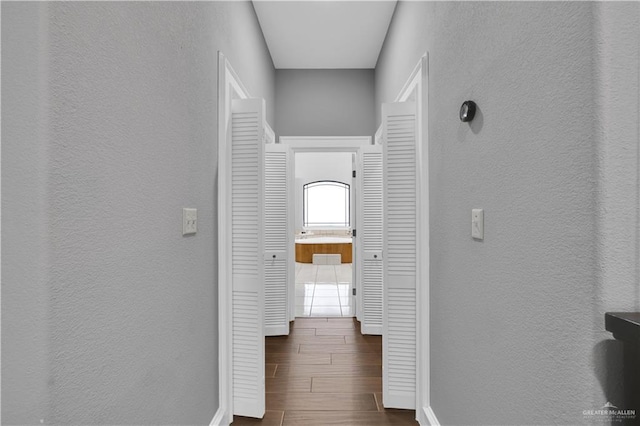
243,365
326,371
325,244
323,234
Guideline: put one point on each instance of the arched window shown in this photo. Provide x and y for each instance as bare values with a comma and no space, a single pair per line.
326,203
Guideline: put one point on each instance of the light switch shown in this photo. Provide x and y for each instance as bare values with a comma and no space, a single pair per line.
477,224
189,221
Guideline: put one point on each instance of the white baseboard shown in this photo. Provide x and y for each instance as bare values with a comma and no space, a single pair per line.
428,413
219,418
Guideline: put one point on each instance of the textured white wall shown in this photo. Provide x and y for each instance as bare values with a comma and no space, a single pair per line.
617,66
517,320
325,102
25,265
312,167
109,314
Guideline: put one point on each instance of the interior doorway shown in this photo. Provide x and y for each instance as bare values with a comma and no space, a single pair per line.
236,291
327,370
331,164
324,188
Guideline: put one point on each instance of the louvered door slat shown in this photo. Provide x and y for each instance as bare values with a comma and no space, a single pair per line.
276,232
372,241
400,261
247,212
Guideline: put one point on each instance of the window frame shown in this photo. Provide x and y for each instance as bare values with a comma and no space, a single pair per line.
347,186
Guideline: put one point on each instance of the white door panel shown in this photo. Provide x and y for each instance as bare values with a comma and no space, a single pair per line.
277,241
371,242
247,212
400,261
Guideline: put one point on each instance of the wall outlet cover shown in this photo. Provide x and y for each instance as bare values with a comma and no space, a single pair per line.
189,221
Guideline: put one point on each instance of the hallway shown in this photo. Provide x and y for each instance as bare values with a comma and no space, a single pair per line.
117,144
325,372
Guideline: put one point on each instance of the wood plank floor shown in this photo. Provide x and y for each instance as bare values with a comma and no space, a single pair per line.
325,373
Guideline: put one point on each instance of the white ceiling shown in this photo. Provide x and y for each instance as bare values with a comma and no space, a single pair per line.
324,33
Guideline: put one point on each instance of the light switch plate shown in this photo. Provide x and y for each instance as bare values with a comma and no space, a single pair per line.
189,221
477,224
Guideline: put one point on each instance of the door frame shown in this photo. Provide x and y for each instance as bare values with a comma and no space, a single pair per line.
229,87
306,144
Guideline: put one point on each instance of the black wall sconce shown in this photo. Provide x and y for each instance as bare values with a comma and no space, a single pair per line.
467,111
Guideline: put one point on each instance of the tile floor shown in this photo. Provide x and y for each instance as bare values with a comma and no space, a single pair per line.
324,290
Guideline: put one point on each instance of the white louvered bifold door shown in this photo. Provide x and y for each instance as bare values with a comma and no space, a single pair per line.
247,213
276,243
400,255
371,249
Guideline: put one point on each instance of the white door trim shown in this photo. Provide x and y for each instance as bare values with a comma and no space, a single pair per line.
419,85
325,143
319,144
229,87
